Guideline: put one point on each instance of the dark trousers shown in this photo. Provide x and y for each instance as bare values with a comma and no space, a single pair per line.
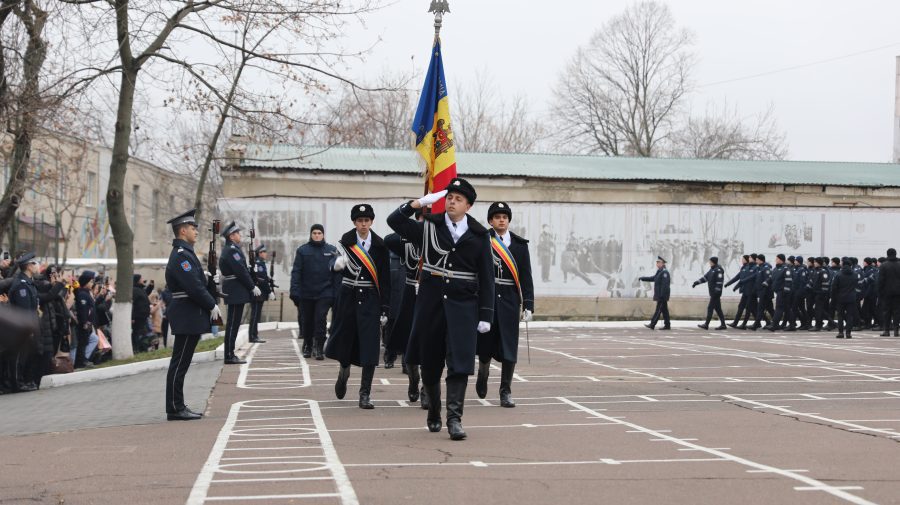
752,303
798,302
847,313
821,309
662,308
81,343
715,305
742,306
165,331
232,324
182,354
255,315
313,320
891,314
868,310
763,305
784,310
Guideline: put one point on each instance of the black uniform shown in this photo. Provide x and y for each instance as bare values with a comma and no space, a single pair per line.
456,292
844,291
782,283
763,288
23,296
714,279
256,305
502,342
189,317
799,295
84,314
742,305
237,285
889,293
661,291
403,307
313,287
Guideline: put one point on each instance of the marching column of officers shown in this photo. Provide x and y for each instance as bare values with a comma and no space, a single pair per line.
815,295
466,287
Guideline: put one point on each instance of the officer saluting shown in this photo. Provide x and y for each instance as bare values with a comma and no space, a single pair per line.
256,304
190,312
713,279
515,291
362,303
661,292
237,285
456,297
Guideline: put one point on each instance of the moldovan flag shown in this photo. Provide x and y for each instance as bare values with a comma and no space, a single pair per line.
434,137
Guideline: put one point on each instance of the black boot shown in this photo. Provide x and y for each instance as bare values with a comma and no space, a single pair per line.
484,371
413,391
849,334
365,388
456,398
389,359
704,326
506,377
320,351
340,387
425,402
433,394
307,350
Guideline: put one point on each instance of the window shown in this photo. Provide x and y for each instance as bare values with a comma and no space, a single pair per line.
135,195
154,214
90,193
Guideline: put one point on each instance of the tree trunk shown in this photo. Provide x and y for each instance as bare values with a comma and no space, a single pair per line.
118,221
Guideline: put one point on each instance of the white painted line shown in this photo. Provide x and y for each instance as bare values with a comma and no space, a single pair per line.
274,497
385,382
345,488
813,483
713,448
394,464
479,464
609,461
485,402
201,485
648,398
769,471
813,488
595,363
270,479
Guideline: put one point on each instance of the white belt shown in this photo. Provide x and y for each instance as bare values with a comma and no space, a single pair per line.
450,274
176,296
357,284
504,282
229,277
411,282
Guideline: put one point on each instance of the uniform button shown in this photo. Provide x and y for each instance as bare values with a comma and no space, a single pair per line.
499,296
453,249
360,291
447,281
359,303
445,297
450,265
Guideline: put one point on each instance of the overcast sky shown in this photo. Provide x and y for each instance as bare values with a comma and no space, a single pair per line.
835,103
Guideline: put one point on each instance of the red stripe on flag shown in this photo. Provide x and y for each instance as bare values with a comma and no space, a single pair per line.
441,181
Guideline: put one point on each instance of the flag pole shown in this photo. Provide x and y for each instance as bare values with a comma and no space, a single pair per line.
439,7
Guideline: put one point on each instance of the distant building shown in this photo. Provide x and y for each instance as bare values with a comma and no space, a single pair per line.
595,223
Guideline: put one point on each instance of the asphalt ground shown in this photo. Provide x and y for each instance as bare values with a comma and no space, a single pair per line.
605,414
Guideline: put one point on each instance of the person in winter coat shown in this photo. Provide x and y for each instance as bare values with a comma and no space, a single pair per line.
313,289
844,290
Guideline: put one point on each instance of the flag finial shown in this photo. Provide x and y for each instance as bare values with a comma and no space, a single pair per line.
439,7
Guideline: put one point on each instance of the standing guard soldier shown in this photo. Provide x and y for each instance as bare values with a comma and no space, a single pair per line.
515,300
238,287
455,300
743,304
713,279
661,291
409,253
191,312
362,304
782,283
265,286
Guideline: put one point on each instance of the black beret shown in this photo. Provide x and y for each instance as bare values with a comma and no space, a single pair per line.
462,186
362,210
499,208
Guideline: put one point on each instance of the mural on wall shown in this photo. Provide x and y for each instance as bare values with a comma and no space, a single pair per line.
601,250
95,234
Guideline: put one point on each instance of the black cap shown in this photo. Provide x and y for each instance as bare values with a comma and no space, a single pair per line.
846,262
136,278
660,258
25,258
462,186
791,259
753,256
315,227
819,261
747,257
891,253
231,228
869,261
261,248
362,210
836,260
761,257
186,218
499,208
714,259
799,259
86,276
781,257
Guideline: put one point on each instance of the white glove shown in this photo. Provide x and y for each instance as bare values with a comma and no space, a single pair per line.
215,313
217,278
430,198
340,263
484,326
256,291
384,320
271,297
527,316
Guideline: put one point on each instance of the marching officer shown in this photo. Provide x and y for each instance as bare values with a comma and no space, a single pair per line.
844,291
363,303
661,291
515,299
409,254
743,304
265,286
821,284
713,279
237,285
455,300
800,294
781,282
761,286
190,313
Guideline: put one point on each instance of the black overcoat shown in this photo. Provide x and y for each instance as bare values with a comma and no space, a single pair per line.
189,311
409,262
356,326
236,280
502,342
447,312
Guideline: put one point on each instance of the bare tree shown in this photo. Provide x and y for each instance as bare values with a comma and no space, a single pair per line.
724,134
487,122
621,92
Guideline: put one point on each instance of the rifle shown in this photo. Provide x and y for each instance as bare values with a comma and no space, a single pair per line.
251,256
272,284
212,262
